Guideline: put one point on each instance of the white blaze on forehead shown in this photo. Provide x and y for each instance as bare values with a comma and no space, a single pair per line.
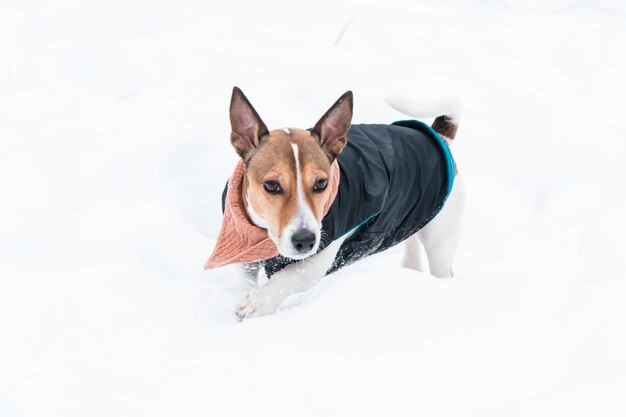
286,130
305,214
298,174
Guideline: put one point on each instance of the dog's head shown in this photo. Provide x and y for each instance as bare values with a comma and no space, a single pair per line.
287,172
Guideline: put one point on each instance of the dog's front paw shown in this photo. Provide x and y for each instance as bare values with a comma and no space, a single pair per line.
257,303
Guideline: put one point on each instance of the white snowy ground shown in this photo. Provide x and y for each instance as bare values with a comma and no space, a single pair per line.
114,151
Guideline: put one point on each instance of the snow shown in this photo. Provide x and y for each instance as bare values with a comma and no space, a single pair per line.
114,151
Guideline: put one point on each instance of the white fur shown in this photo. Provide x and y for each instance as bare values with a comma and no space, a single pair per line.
258,220
254,216
440,237
449,106
412,254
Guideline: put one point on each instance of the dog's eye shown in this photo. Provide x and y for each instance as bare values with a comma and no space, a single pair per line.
320,185
272,187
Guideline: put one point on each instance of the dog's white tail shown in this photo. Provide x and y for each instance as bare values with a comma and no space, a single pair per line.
446,110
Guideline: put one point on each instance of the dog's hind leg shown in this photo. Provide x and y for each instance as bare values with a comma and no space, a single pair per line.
441,236
412,254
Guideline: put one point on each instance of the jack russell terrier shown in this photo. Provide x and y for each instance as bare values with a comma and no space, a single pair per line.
304,203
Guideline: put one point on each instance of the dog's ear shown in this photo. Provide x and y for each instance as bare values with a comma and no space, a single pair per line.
332,128
247,128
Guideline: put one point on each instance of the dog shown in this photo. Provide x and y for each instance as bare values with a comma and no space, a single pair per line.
304,203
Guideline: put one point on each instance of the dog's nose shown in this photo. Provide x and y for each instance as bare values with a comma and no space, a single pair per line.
303,240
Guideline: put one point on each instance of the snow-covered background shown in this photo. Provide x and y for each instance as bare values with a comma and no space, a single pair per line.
114,150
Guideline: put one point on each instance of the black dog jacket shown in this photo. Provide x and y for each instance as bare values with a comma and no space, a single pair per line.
394,180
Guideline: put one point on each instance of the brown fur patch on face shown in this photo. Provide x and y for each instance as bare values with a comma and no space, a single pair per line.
275,160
